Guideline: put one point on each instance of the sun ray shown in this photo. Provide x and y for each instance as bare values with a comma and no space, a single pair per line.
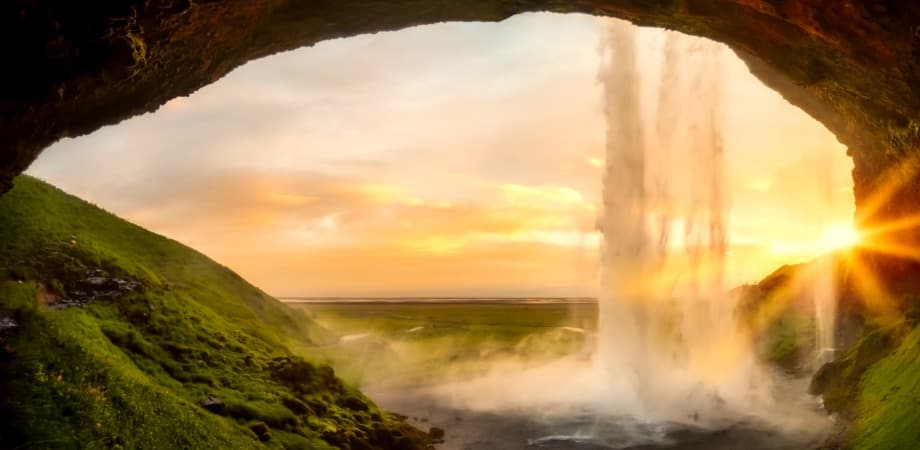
893,249
892,226
773,305
874,297
838,237
890,183
728,348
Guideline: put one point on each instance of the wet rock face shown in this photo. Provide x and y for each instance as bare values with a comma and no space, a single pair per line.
72,67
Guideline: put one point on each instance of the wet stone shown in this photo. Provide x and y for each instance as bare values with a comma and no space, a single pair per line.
436,434
7,323
7,326
212,403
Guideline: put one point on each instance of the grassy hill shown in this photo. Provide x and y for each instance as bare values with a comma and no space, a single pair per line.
114,337
873,386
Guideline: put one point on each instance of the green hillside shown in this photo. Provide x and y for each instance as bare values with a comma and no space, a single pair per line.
114,337
873,386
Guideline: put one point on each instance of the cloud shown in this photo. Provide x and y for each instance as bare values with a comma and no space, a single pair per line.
319,233
274,207
457,158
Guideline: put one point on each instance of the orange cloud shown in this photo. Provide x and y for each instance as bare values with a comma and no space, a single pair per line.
430,173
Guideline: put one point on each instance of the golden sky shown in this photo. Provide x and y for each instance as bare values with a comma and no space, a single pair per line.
456,159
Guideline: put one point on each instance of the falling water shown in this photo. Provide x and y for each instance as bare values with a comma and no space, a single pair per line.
667,328
824,296
824,285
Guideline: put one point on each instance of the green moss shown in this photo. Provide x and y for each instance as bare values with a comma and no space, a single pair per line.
138,51
129,370
75,389
838,382
787,340
888,400
293,441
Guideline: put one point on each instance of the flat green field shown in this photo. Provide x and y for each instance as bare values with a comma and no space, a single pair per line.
506,322
428,342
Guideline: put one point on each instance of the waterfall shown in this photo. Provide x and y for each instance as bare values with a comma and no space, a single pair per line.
824,296
667,328
824,284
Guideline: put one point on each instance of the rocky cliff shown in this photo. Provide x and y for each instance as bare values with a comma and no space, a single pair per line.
72,67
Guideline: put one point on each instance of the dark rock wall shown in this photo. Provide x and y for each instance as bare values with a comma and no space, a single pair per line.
72,67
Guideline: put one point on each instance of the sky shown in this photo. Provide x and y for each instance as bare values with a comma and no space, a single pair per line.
455,159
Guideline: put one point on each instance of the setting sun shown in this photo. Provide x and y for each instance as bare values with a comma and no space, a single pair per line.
839,236
490,224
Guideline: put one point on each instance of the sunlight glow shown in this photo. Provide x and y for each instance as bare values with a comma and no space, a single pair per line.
541,196
880,303
888,185
839,236
432,164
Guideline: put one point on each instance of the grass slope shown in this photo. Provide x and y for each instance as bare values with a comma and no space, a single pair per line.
874,387
887,415
113,336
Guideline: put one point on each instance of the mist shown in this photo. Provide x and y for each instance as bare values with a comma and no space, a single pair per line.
666,347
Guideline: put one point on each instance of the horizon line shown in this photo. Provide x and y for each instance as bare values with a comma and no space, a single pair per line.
448,297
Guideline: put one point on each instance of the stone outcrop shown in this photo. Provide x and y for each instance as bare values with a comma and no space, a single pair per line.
72,67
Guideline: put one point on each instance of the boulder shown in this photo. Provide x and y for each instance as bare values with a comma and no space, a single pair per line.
436,434
212,403
262,431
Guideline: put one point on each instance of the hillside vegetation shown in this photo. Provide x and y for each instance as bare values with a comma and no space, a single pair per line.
873,385
115,337
399,345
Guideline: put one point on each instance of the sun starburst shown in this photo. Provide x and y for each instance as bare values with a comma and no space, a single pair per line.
839,237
